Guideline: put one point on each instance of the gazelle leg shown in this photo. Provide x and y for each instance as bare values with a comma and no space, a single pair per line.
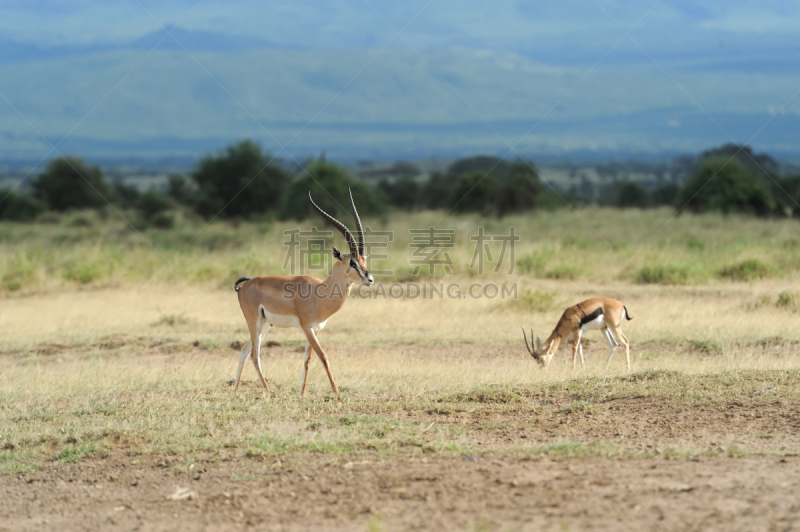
576,342
312,339
242,358
256,356
305,367
580,350
612,344
627,346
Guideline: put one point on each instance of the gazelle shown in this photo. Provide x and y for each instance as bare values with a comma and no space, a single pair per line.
302,301
598,313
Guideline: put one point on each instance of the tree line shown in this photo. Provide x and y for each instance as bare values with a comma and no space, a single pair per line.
241,181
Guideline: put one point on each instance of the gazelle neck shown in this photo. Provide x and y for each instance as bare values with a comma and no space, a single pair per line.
336,290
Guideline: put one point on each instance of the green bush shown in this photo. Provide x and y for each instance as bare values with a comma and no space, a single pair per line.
725,185
69,183
18,207
151,204
745,270
328,184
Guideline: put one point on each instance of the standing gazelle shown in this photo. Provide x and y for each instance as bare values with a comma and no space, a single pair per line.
598,313
302,301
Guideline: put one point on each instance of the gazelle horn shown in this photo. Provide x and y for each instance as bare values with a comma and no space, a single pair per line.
533,354
338,225
359,229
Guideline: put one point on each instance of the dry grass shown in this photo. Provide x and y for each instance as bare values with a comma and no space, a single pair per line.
144,366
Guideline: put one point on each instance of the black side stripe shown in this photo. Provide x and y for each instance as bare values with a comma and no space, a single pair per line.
591,317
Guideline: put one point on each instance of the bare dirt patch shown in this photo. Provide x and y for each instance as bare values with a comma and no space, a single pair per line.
118,492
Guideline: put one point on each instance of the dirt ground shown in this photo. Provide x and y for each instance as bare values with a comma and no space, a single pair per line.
715,490
117,492
677,464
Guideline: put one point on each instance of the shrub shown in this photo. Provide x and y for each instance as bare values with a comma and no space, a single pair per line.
18,207
69,183
726,185
151,204
745,270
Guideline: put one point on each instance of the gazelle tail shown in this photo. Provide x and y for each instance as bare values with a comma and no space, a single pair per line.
241,280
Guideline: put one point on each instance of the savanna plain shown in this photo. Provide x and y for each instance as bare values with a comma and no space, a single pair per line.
118,348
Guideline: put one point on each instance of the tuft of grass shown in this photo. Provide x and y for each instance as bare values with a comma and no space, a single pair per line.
786,300
533,301
75,453
706,347
746,270
663,274
577,406
563,272
571,449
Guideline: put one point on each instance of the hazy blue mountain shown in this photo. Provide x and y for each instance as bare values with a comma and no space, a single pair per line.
536,77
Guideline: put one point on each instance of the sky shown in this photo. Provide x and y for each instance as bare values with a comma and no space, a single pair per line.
388,80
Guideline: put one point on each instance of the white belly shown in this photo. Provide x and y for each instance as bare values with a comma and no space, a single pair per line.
597,323
280,320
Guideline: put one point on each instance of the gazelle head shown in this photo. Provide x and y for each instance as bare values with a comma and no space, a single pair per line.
536,352
354,263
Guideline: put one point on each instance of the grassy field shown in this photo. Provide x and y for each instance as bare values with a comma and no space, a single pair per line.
108,351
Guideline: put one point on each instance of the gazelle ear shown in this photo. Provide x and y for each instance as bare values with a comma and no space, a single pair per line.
337,253
539,343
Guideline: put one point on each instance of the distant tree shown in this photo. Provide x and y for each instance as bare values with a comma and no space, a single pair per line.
666,194
238,181
436,192
519,191
402,193
181,189
759,162
69,183
726,185
788,195
328,185
480,163
474,192
18,207
405,169
124,195
630,194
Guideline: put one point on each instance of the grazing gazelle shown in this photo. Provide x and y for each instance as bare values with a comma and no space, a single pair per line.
301,301
598,313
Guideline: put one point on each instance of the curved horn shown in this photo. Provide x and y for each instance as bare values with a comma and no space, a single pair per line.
526,341
359,229
338,225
